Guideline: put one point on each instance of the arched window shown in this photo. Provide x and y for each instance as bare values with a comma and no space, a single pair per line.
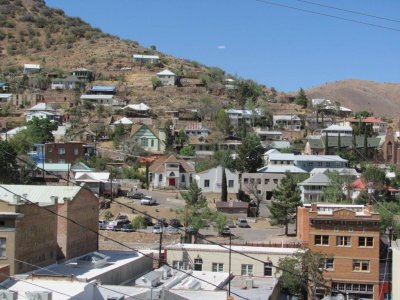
160,178
172,174
183,179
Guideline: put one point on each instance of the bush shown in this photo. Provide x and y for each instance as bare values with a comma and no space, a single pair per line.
139,223
2,35
108,215
156,82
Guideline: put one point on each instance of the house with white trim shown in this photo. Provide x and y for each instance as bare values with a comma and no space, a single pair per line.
210,181
31,68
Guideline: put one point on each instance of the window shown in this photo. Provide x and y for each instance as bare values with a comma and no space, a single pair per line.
258,180
50,149
246,269
76,151
144,142
198,264
246,180
3,247
343,241
160,178
360,265
266,181
268,269
206,183
230,183
326,264
275,181
152,143
61,161
61,151
365,241
178,264
327,164
320,164
321,240
217,267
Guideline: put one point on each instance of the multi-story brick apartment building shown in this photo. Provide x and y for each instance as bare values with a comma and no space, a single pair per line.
32,235
350,235
66,152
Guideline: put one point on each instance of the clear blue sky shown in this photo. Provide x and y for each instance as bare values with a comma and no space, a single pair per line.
275,46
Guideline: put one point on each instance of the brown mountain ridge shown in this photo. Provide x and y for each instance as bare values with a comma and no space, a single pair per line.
383,99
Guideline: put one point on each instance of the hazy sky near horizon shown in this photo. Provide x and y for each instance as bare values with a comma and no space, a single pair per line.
275,46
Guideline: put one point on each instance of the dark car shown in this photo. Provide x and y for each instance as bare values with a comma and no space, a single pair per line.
127,228
226,231
147,221
134,195
175,223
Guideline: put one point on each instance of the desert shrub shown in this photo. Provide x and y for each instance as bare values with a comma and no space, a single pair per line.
27,18
2,35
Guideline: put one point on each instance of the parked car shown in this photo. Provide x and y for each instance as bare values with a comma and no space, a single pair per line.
226,231
147,221
115,225
175,223
172,230
103,224
242,223
157,229
123,218
134,195
127,228
147,200
230,224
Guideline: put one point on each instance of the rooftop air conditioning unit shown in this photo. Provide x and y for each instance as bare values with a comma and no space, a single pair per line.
8,295
45,295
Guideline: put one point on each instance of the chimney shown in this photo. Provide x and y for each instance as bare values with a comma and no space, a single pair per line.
314,206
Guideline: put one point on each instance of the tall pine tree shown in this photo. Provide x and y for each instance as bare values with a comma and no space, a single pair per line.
286,199
224,187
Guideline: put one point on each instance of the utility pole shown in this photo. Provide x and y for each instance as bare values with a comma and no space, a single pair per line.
230,256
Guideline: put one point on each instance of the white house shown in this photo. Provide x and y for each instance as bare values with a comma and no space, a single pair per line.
42,111
196,129
287,122
9,134
6,97
69,83
144,59
123,121
170,172
210,181
167,78
31,68
335,130
238,116
99,99
312,189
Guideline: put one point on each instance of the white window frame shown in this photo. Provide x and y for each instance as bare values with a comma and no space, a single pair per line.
246,269
217,267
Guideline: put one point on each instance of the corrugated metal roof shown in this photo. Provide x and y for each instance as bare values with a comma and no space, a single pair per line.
54,167
281,169
95,97
103,88
166,73
39,193
317,179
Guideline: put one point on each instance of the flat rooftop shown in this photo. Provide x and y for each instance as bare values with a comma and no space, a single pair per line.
262,287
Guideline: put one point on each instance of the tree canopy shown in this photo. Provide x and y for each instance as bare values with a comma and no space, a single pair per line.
250,154
8,163
301,98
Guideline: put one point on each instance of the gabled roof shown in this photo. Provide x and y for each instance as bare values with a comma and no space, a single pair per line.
373,120
124,121
137,127
42,106
140,107
165,73
317,179
92,176
158,166
280,169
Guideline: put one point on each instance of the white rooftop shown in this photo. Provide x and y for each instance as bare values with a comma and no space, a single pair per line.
145,56
282,156
244,249
280,169
166,73
322,158
124,121
31,66
140,107
5,96
38,193
285,117
92,176
42,106
338,128
95,97
54,167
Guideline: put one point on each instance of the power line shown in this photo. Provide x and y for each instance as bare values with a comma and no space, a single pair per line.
114,240
349,11
134,209
328,15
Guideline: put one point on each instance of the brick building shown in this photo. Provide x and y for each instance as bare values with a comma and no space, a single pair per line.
31,235
66,152
350,235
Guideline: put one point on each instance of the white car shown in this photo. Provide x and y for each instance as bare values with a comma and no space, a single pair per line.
103,224
157,229
242,223
147,200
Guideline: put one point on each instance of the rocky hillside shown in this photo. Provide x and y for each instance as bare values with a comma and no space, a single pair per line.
383,99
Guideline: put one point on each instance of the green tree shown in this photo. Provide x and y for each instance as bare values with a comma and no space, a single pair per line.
118,134
196,210
389,216
223,123
40,130
220,221
286,199
8,163
169,135
247,90
303,273
301,98
333,192
224,186
156,82
182,138
138,223
374,176
250,154
108,215
187,151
